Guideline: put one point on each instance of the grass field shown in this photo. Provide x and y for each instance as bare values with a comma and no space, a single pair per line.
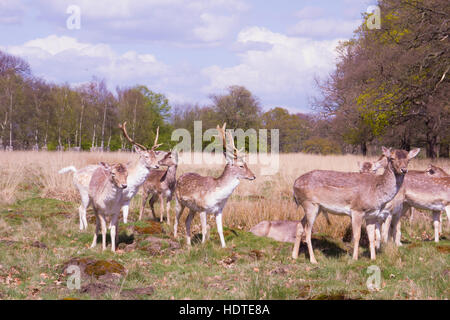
39,238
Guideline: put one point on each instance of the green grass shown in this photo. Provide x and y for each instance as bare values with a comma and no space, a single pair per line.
249,268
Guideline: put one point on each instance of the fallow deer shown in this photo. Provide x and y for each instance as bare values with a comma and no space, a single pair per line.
105,192
429,190
208,195
161,184
138,171
361,196
283,231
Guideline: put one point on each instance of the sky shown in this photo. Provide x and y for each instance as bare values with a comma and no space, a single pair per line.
185,49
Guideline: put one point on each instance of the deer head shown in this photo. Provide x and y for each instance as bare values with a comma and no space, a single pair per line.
170,159
147,156
399,159
117,174
234,157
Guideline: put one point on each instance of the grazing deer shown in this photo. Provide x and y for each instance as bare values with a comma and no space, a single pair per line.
283,231
161,184
361,196
138,171
105,192
429,190
208,195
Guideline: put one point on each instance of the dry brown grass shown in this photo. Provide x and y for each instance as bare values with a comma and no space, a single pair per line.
266,198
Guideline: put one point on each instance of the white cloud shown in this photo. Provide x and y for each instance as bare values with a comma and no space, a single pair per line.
324,28
66,59
184,22
282,74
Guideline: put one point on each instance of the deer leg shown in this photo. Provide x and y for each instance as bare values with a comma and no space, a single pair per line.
113,232
103,225
370,227
357,218
161,209
168,211
203,221
436,223
97,229
219,228
447,212
311,212
385,229
125,209
411,216
298,238
145,196
377,235
82,211
178,212
152,206
188,226
396,224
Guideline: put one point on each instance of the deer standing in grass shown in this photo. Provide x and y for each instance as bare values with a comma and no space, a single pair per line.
160,184
208,195
138,171
429,190
105,192
361,196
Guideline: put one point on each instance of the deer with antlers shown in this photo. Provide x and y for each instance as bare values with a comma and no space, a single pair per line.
138,172
208,195
160,184
360,196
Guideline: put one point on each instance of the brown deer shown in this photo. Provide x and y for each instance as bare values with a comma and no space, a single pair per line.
428,190
283,231
361,196
105,192
208,195
161,184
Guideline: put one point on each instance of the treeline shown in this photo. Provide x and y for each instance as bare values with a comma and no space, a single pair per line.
390,87
38,115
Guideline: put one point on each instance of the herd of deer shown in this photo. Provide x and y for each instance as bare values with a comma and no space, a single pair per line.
379,200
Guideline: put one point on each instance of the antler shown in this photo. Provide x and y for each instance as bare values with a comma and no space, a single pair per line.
124,130
155,145
234,152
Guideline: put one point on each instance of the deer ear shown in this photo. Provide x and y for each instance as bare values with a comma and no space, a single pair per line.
105,165
413,153
386,151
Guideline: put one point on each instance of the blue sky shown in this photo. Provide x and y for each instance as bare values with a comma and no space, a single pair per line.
186,49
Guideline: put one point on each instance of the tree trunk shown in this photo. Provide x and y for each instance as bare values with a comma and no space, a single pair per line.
444,150
364,148
431,146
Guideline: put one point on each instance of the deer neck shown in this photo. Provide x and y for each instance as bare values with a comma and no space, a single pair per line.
388,184
137,174
171,174
227,181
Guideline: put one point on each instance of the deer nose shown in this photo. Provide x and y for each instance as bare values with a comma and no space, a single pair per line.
124,186
155,166
404,170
